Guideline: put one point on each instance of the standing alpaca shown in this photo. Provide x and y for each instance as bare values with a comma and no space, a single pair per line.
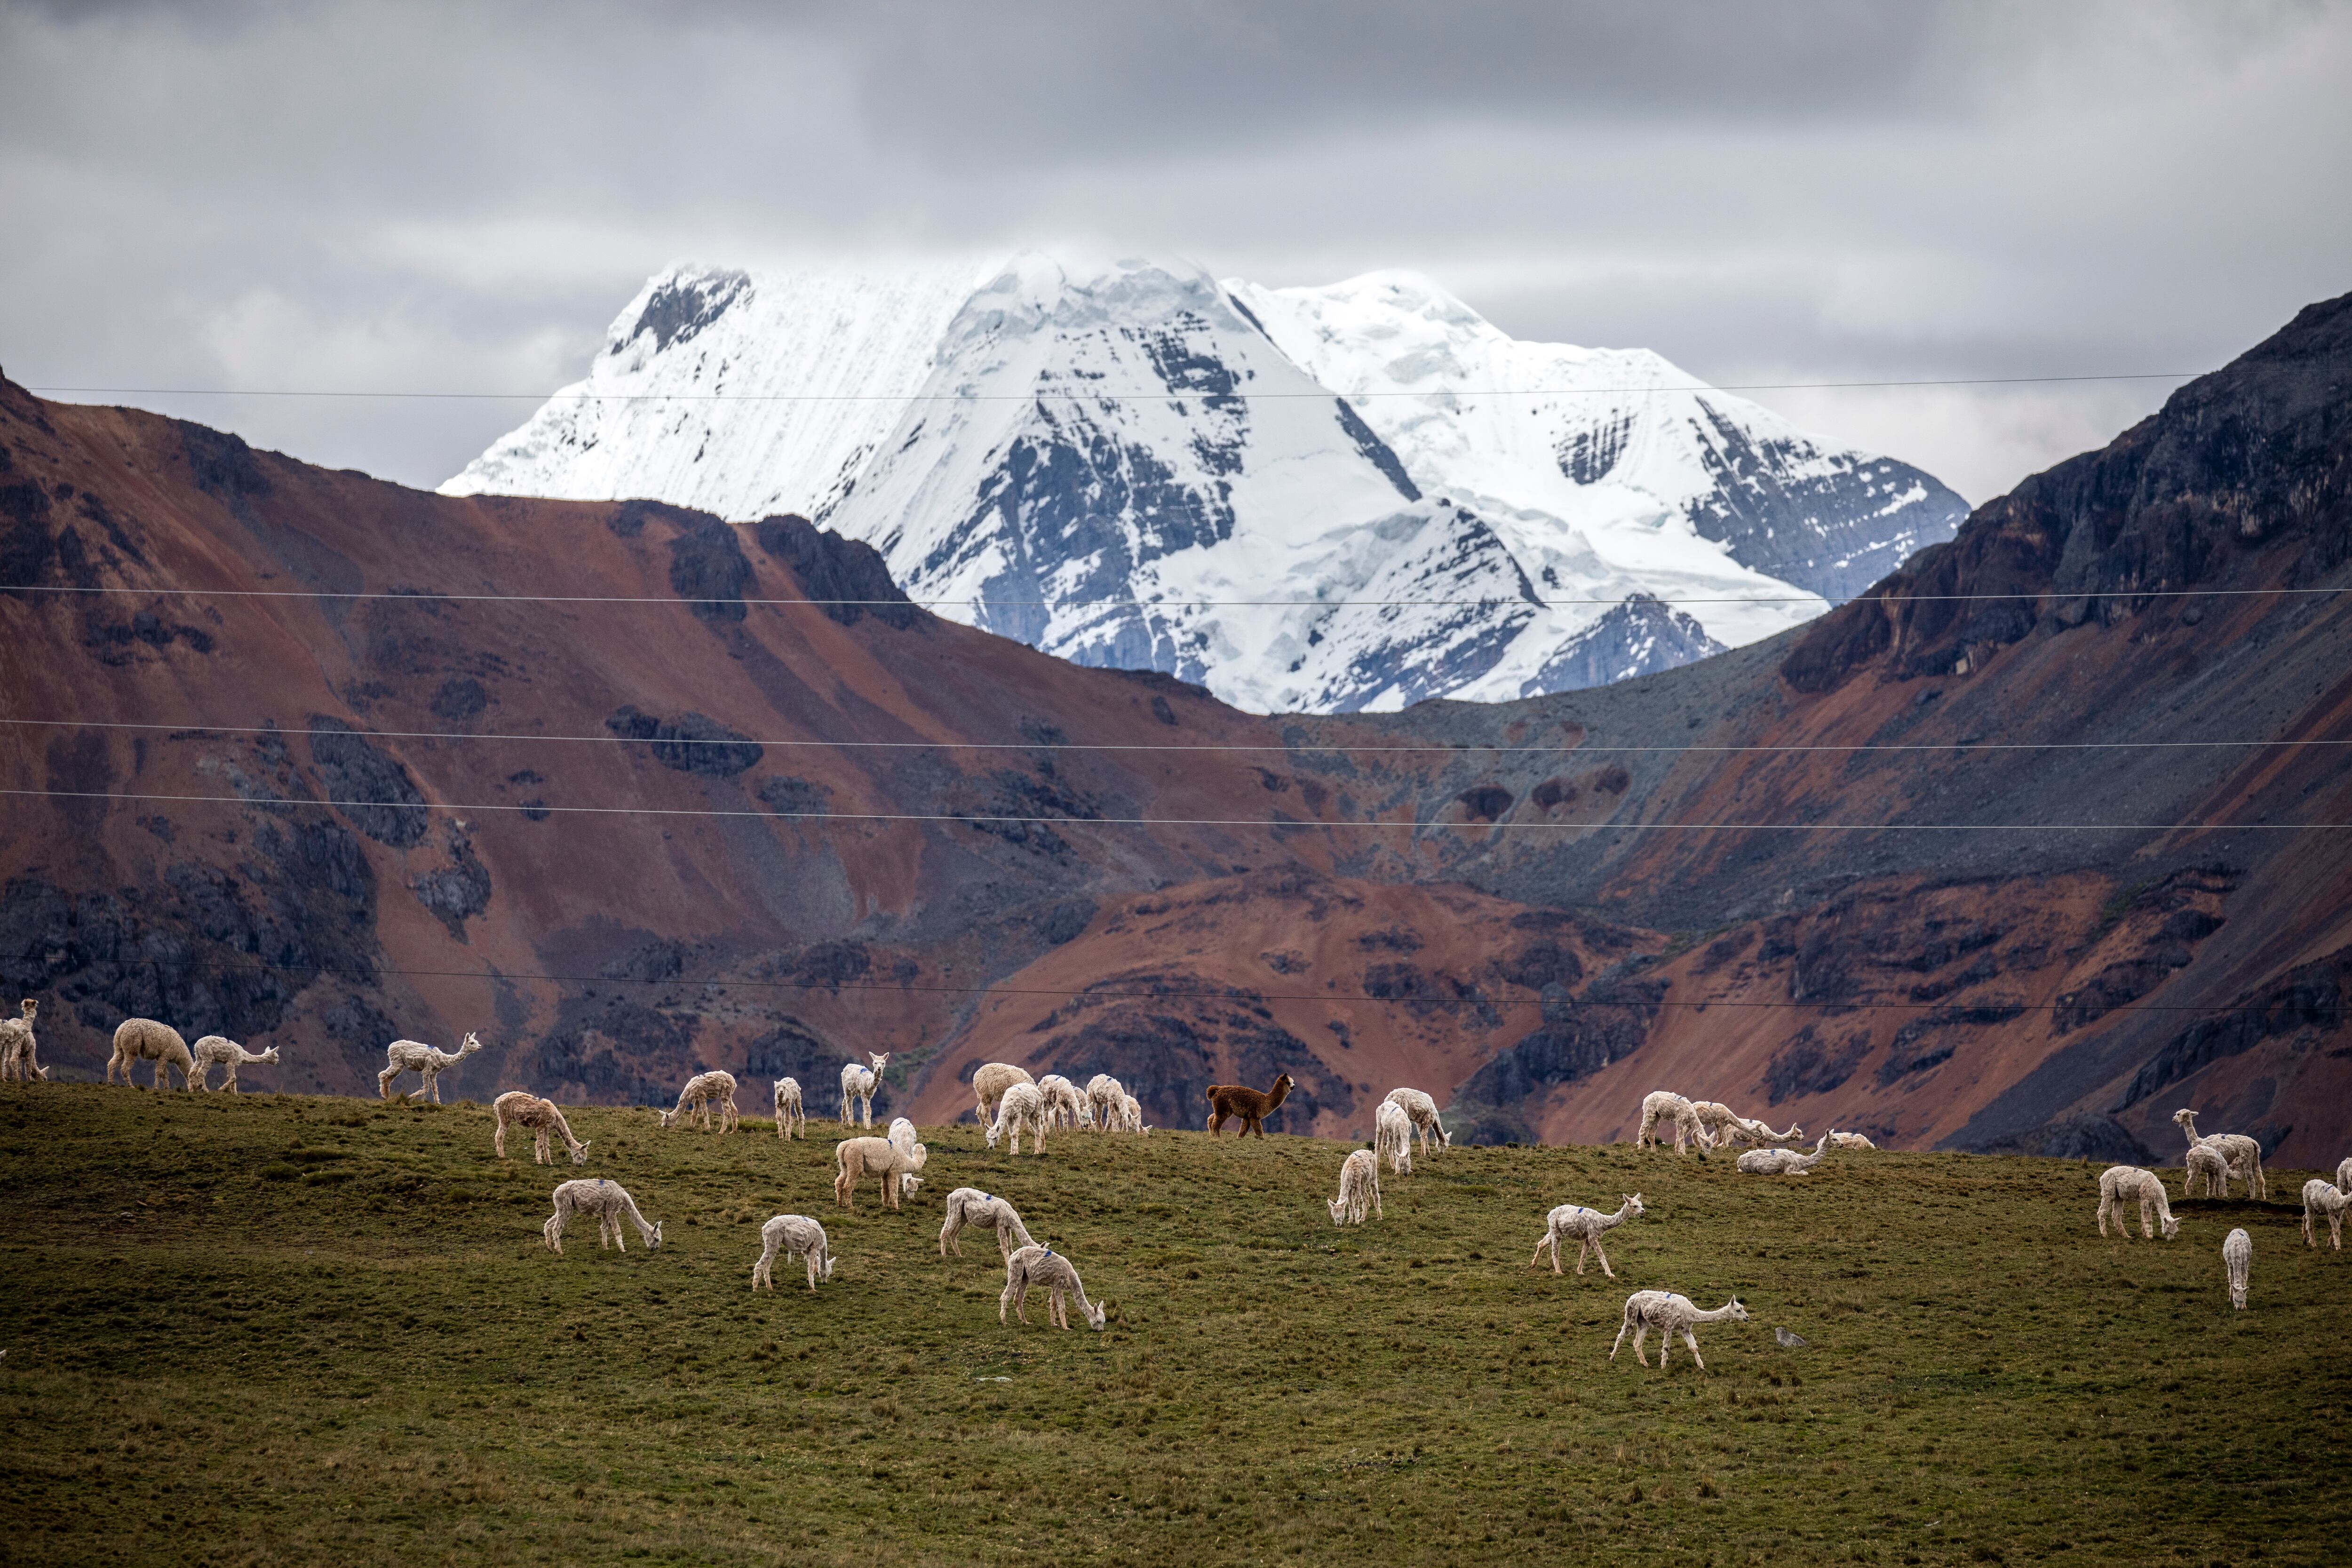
1670,1315
521,1108
2205,1163
411,1055
858,1084
145,1040
1850,1141
2118,1185
991,1082
214,1052
1104,1094
790,1119
1359,1183
1233,1100
1392,1136
1131,1114
2321,1197
1035,1265
854,1159
1725,1125
20,1056
1066,1103
1784,1162
1665,1105
1020,1108
903,1138
794,1236
610,1203
2244,1155
2344,1176
2237,1258
969,1208
1422,1111
702,1091
1586,1225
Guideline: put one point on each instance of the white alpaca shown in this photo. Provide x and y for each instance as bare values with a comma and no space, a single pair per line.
2245,1155
2237,1258
1725,1125
854,1159
1020,1108
2118,1185
20,1056
1131,1114
903,1138
794,1236
1392,1136
213,1051
610,1203
792,1121
1035,1265
2322,1198
2205,1163
1104,1096
1785,1161
1850,1141
1066,1103
1359,1186
1585,1227
991,1080
857,1086
2344,1176
145,1040
1669,1314
969,1208
413,1056
1665,1105
1422,1111
543,1118
702,1091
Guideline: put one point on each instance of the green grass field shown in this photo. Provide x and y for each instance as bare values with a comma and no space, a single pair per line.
285,1329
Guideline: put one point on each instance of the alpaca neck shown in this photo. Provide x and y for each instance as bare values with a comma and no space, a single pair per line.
1715,1315
1612,1221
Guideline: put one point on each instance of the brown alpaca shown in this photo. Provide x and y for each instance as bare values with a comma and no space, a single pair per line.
1231,1100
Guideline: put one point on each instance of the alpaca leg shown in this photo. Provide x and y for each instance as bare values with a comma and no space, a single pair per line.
1640,1334
1601,1255
1617,1344
1538,1258
1691,1340
499,1139
383,1080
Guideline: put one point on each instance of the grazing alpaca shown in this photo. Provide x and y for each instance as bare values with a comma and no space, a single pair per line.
1035,1265
858,1084
991,1082
794,1236
1725,1125
2118,1185
1665,1105
854,1159
214,1051
903,1138
1422,1111
2245,1155
1021,1109
1131,1114
20,1056
1587,1226
1850,1141
1103,1095
1670,1315
1066,1103
411,1055
2205,1163
2322,1197
521,1108
1392,1136
610,1203
702,1091
790,1119
2237,1258
145,1040
1360,1185
969,1208
1784,1162
1235,1101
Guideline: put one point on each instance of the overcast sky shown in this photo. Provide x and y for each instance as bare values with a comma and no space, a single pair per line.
424,198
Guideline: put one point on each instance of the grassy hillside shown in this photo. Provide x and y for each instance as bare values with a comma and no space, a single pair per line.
294,1328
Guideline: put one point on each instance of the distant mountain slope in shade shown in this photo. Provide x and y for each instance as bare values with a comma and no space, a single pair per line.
1077,454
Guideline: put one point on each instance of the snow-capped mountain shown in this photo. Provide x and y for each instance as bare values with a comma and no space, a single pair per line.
1133,464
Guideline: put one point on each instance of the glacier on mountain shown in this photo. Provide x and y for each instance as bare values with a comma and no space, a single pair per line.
1326,499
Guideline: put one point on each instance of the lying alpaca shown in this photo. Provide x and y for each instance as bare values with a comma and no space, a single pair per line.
969,1208
702,1091
1850,1141
1233,1100
1392,1136
991,1082
1066,1103
1587,1226
902,1138
1035,1265
1665,1105
790,1119
2323,1197
2207,1164
1670,1315
1422,1111
2118,1185
1021,1109
1104,1094
1359,1183
610,1203
145,1040
1784,1162
20,1056
794,1236
214,1051
521,1108
854,1159
413,1056
2237,1258
858,1084
2245,1155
